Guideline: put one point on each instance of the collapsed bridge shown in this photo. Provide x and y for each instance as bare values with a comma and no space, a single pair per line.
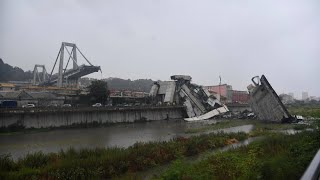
198,102
68,77
266,103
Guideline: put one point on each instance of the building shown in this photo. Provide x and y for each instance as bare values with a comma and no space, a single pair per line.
36,98
224,91
241,97
127,93
305,95
314,98
21,97
7,87
227,95
139,94
291,94
46,98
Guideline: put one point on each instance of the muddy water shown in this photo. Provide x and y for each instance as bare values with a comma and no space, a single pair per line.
121,135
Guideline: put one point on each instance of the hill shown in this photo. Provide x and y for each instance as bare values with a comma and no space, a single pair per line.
123,84
9,73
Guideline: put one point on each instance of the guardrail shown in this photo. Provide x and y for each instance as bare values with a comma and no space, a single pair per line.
78,109
313,171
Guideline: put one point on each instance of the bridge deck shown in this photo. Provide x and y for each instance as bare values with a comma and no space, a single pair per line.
72,74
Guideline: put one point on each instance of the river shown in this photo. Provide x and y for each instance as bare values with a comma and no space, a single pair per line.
120,135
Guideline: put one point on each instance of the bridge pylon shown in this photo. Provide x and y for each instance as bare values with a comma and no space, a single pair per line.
70,77
37,75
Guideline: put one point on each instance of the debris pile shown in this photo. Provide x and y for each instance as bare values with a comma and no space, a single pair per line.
199,103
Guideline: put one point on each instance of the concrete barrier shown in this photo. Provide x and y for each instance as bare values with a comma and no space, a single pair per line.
45,118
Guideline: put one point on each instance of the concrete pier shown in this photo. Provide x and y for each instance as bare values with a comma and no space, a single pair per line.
59,117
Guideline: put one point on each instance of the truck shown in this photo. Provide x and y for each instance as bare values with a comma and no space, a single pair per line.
8,104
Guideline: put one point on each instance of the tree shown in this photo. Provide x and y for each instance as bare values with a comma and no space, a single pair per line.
9,73
99,91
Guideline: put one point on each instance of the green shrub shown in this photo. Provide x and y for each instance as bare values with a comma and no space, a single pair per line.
35,160
6,163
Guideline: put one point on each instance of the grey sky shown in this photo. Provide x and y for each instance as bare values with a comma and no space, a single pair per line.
236,39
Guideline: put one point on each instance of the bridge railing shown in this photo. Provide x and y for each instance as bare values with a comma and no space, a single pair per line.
313,171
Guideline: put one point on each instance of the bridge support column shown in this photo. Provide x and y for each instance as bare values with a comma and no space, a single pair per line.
75,61
60,74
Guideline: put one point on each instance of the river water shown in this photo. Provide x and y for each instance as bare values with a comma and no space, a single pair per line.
120,135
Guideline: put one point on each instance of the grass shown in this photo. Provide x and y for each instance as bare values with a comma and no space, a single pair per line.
275,157
260,127
220,125
109,162
306,111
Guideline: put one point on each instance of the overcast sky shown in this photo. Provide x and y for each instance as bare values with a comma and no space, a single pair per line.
135,39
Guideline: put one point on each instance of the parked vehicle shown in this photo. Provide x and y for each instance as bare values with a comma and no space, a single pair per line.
251,115
28,106
8,104
66,105
97,105
299,117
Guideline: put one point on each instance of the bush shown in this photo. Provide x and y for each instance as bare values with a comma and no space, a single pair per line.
6,163
35,160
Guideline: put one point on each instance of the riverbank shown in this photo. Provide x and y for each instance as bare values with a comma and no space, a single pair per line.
116,162
307,138
110,162
259,126
275,157
114,135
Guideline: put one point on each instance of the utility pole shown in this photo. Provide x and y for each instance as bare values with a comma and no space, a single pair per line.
219,88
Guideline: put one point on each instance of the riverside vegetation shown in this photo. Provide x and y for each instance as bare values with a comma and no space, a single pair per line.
306,111
275,157
109,162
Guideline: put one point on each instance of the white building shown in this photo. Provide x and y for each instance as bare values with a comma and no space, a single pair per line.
305,95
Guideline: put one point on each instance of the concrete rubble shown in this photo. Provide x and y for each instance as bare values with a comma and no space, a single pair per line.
265,102
199,103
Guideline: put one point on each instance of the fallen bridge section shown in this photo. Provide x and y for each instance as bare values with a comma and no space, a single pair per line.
265,102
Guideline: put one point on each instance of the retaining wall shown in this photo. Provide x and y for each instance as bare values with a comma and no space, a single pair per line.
69,117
